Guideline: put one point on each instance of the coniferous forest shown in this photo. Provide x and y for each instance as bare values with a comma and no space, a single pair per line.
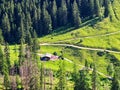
61,29
20,18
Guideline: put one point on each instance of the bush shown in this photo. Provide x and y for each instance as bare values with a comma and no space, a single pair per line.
100,53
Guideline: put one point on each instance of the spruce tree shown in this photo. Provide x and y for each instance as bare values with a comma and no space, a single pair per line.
21,53
97,8
1,37
91,7
115,83
1,59
41,75
35,46
6,79
6,67
46,20
22,30
6,27
94,78
110,69
75,15
75,77
7,55
62,15
83,81
62,76
116,78
54,14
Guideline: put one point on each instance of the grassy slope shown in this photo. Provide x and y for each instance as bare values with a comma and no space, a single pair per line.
88,28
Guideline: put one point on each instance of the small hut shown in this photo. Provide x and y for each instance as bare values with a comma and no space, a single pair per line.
48,56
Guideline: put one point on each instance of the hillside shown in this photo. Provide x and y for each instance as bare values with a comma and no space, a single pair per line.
84,35
19,19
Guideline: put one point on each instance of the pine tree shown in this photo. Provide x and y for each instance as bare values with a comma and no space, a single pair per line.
1,59
62,76
7,55
39,30
21,53
91,7
35,46
110,69
29,38
6,27
6,67
6,80
62,15
115,83
28,29
116,78
83,81
54,14
75,77
94,78
22,30
46,20
1,37
41,75
97,8
76,15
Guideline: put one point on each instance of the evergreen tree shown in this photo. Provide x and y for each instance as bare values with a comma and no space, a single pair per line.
1,59
54,14
75,15
6,79
1,37
22,30
21,53
7,55
28,29
97,8
39,27
62,76
41,75
84,83
35,46
75,77
94,78
91,7
6,27
108,8
116,78
110,69
115,83
62,14
46,20
6,67
29,38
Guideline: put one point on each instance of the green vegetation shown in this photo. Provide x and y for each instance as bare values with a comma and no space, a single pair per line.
82,34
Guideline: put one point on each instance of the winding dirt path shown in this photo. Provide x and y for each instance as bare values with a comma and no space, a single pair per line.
92,36
80,47
85,48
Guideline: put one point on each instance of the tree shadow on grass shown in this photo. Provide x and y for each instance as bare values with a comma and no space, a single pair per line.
68,28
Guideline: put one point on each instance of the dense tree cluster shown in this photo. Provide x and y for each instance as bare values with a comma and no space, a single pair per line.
19,18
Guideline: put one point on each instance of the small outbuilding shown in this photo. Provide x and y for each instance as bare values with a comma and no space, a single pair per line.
48,56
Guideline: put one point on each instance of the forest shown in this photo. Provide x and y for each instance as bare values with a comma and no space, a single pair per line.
20,18
25,25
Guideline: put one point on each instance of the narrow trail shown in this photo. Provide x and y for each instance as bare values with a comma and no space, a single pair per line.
92,36
102,74
80,47
82,67
85,48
